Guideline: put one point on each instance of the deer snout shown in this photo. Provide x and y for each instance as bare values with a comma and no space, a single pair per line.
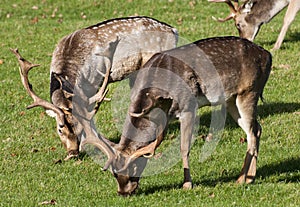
126,185
130,189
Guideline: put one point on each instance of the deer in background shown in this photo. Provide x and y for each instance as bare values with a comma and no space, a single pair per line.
250,15
230,71
102,53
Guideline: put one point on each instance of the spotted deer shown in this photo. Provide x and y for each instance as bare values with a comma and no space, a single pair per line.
230,71
109,51
250,15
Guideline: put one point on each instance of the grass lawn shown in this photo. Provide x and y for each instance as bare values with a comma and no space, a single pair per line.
30,169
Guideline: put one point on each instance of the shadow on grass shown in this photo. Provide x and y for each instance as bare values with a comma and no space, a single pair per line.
273,108
158,188
264,110
290,167
290,37
211,182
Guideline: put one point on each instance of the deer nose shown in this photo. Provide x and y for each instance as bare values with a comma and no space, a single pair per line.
124,194
128,190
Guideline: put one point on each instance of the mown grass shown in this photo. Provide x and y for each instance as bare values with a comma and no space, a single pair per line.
30,150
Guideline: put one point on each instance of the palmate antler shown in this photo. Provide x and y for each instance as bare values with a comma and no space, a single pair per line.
25,67
85,117
234,9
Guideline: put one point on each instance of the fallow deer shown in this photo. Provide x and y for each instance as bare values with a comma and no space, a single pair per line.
250,15
116,47
230,71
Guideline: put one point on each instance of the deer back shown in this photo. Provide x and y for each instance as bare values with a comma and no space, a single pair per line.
83,52
213,70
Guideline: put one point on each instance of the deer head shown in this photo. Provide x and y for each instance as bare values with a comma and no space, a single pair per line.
126,160
252,14
64,128
68,126
143,133
246,25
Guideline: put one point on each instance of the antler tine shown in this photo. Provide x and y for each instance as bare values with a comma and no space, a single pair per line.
233,9
25,67
236,4
100,95
147,152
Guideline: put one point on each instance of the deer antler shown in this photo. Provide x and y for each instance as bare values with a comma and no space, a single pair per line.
86,118
25,67
234,8
92,136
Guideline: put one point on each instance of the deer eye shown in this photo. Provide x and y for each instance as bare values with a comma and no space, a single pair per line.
60,131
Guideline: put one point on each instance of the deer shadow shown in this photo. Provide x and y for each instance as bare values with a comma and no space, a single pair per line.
290,37
263,110
272,108
288,166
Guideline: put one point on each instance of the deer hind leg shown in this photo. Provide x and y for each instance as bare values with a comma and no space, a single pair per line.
186,129
289,17
243,111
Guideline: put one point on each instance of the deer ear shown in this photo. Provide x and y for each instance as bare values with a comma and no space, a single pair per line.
148,100
142,105
247,7
60,100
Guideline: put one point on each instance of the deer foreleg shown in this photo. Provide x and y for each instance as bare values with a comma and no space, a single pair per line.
186,128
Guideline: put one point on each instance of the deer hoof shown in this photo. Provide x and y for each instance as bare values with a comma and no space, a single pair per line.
72,154
242,179
187,185
249,181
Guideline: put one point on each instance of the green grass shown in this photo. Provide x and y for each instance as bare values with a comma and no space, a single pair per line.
30,148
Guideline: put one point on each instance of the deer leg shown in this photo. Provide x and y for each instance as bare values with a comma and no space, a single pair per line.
243,111
289,17
186,129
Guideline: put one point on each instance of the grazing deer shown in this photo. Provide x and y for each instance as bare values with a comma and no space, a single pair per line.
224,70
252,14
113,48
